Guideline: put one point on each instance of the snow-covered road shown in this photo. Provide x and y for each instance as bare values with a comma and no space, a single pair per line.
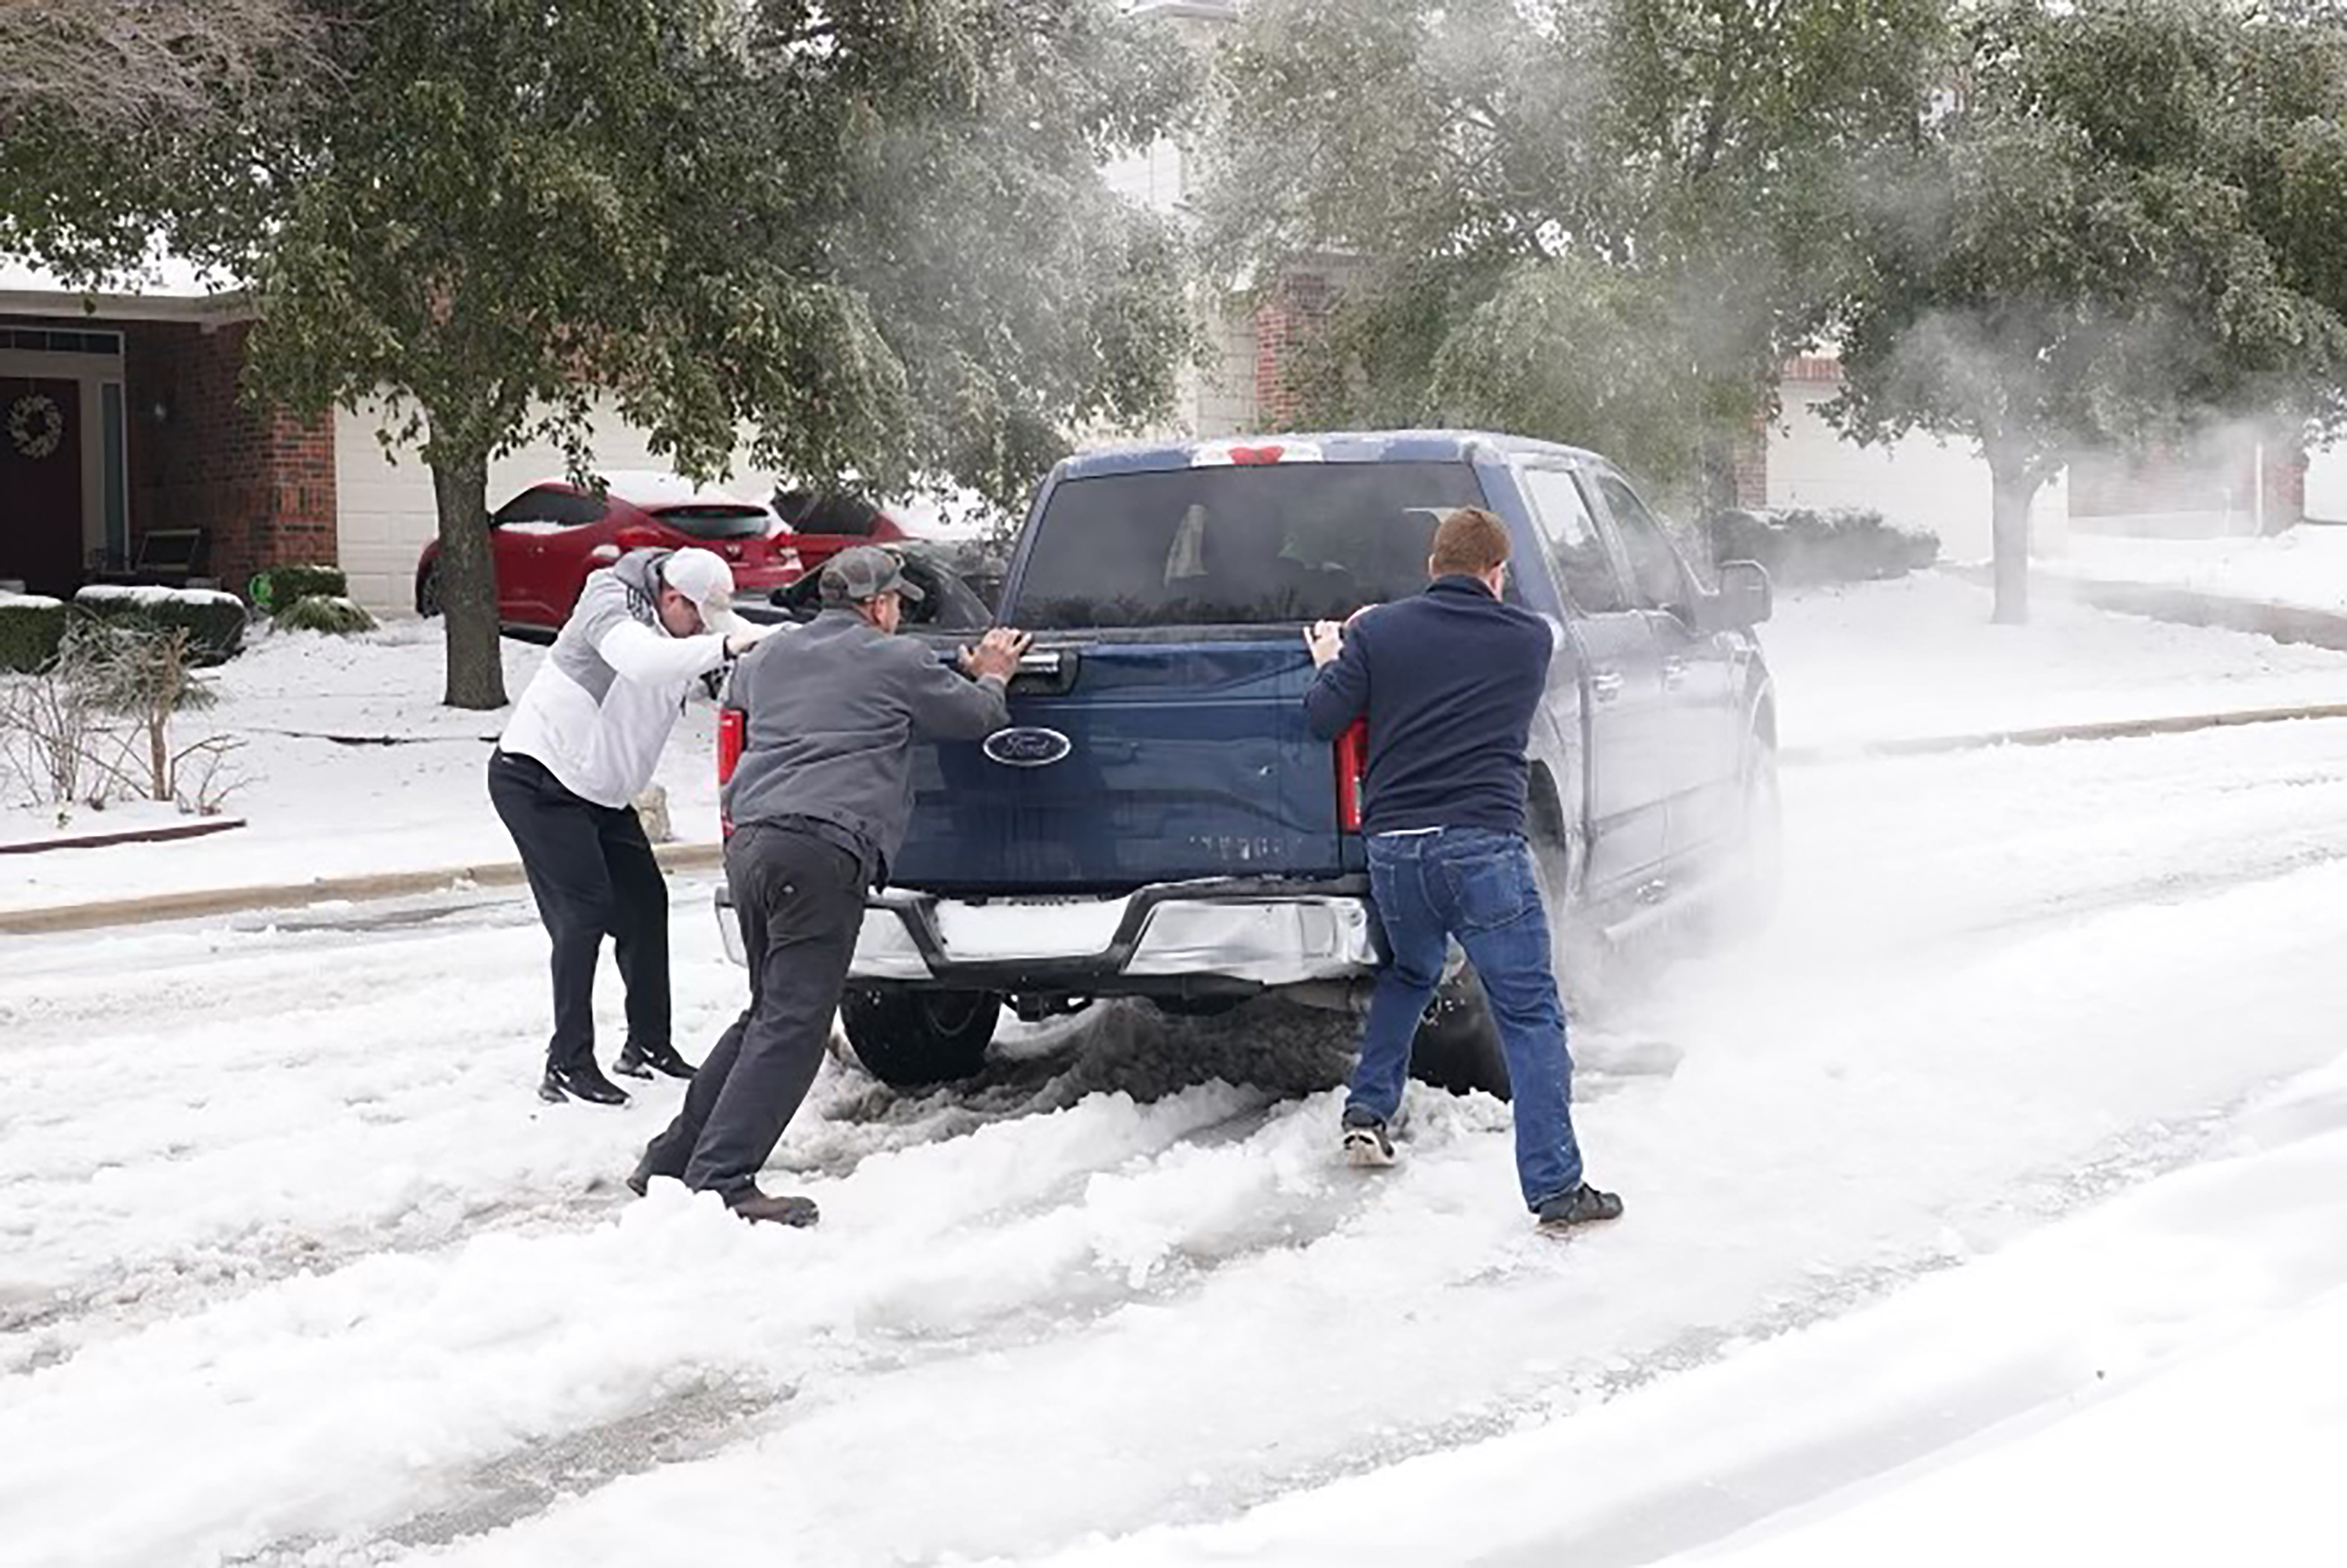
294,1268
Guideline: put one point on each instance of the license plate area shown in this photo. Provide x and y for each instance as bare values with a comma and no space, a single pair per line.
1017,930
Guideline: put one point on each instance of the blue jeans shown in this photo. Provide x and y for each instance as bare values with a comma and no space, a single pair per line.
1476,884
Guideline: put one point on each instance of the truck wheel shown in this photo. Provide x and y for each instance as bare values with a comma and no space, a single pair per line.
427,591
913,1039
1458,1046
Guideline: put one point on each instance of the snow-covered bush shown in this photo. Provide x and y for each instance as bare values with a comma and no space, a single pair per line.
1802,548
145,674
325,612
30,626
48,727
280,588
213,620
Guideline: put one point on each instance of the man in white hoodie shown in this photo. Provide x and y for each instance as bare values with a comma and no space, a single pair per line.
581,745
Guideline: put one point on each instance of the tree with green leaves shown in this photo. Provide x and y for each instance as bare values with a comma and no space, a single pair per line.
875,237
2121,225
1600,220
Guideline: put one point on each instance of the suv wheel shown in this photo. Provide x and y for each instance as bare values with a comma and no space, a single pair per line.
913,1039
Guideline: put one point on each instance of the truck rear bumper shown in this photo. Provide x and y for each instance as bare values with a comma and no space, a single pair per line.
1234,935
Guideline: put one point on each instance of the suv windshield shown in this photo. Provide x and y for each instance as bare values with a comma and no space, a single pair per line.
1275,543
716,522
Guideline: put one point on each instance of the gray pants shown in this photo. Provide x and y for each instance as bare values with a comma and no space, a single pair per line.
800,899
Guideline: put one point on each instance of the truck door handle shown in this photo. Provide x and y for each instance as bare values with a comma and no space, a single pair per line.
1675,671
1606,684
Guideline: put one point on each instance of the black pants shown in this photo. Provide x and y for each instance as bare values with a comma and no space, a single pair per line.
592,872
800,899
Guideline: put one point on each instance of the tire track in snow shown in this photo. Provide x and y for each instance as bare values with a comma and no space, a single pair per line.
541,1171
1039,1269
1914,1126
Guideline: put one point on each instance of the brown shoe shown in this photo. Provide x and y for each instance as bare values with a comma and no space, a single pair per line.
782,1209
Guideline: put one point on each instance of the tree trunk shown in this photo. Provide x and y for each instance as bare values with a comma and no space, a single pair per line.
469,584
158,752
1716,463
2013,483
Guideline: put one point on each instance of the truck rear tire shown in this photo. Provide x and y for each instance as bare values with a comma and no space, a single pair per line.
1457,1046
914,1039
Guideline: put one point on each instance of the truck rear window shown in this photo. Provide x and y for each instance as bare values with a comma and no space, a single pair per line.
1275,543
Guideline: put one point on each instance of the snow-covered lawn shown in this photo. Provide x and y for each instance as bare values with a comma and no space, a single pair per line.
352,767
284,1236
1885,661
1918,658
2305,566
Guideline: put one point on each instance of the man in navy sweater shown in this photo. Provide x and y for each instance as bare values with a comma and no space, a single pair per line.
1449,682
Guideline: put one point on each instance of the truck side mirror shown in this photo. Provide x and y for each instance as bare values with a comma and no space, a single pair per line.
1743,601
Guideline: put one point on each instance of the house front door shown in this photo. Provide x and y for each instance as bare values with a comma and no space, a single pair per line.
40,484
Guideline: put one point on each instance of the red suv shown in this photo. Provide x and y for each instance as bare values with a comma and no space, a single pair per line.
545,541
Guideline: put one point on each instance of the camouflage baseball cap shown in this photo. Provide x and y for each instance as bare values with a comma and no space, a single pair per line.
864,572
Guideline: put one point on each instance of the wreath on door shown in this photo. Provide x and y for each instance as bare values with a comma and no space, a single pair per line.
37,425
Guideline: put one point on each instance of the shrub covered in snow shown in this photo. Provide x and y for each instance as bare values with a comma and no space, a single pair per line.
325,612
213,620
1802,548
30,628
280,588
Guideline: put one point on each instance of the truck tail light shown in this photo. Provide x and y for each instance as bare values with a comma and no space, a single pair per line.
733,735
1352,762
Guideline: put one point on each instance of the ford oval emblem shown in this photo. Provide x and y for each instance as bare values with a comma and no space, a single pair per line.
1027,748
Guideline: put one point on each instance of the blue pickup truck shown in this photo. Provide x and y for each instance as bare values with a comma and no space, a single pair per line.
1156,822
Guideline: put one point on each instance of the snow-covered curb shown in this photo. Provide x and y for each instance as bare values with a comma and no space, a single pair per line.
241,900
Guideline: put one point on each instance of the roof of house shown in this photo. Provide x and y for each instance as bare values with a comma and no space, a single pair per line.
165,288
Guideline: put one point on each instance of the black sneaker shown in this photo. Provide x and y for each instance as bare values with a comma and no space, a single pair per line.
584,1082
1584,1206
774,1209
1366,1142
643,1060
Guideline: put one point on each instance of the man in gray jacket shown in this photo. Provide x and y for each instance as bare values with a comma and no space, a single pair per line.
819,804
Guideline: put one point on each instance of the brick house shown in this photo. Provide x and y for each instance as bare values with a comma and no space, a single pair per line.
122,419
130,425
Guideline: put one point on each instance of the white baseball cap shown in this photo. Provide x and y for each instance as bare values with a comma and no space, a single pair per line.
702,577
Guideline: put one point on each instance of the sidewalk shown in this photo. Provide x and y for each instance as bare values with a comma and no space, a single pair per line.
2302,569
236,901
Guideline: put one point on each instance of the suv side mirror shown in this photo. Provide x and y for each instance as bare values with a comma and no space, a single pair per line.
1744,599
636,537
